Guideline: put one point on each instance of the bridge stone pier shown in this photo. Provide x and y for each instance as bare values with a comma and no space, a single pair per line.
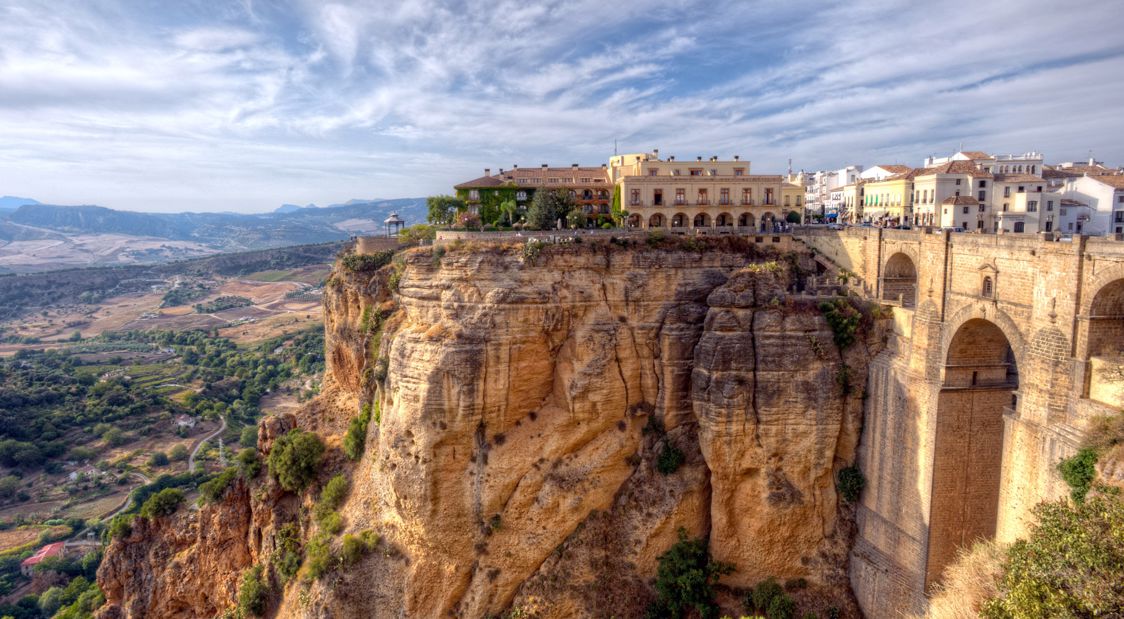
1003,349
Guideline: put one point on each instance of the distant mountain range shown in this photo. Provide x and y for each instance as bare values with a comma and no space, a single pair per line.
38,234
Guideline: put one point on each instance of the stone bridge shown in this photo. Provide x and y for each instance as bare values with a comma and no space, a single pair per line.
1004,348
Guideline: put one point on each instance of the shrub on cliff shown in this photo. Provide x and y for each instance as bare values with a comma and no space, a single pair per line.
1071,564
366,263
762,595
843,319
252,593
211,491
850,483
355,441
685,580
162,503
287,552
669,460
355,547
1078,472
295,458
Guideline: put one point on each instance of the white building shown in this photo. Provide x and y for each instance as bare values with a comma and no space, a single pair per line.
883,171
824,192
1104,196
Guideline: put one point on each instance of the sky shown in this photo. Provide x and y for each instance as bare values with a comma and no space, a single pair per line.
244,105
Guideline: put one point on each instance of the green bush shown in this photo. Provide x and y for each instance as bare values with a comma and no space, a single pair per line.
120,526
1071,564
162,503
781,607
178,453
320,558
213,490
248,437
850,483
763,595
158,458
287,554
685,580
669,460
331,523
1078,472
248,463
843,319
355,441
356,546
365,263
252,593
295,459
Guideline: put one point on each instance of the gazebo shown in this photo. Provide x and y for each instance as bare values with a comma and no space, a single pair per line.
394,224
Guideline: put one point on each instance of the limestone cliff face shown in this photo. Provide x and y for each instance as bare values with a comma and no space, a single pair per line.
524,405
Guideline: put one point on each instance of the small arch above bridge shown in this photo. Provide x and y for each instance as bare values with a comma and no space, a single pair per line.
899,280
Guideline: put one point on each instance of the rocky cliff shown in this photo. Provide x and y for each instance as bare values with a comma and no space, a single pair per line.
545,422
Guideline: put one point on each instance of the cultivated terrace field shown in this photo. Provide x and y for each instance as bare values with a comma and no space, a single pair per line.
93,427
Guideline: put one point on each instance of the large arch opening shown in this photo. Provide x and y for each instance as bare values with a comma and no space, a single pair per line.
702,220
1105,345
634,220
724,220
656,221
899,280
980,379
679,220
745,220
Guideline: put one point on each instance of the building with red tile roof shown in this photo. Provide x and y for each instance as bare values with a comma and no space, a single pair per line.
27,566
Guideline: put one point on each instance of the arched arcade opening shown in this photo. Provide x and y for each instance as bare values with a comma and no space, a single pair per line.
899,280
979,384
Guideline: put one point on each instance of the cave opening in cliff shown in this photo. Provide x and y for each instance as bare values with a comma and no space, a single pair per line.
979,386
899,280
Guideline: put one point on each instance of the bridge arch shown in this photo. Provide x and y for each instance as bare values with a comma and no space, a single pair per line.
979,381
1104,344
899,280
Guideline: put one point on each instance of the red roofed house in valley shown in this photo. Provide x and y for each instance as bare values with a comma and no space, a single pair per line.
27,566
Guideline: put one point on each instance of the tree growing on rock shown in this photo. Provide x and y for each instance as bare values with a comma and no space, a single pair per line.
295,458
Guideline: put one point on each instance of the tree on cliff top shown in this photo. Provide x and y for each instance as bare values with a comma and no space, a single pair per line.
442,209
547,207
295,458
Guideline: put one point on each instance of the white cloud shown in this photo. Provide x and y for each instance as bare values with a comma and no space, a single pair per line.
248,105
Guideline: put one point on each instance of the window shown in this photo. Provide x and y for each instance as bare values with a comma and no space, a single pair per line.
1032,168
798,200
713,172
1063,212
981,196
1022,189
958,182
965,210
1049,226
703,198
1039,189
957,194
986,288
739,171
1032,206
635,197
983,184
982,208
1049,205
1007,191
680,196
1004,207
473,194
1019,226
1118,217
521,195
747,196
786,199
653,172
768,196
979,225
657,197
1120,199
675,172
724,195
696,171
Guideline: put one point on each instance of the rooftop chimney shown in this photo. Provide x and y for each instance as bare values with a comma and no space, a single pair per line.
698,157
573,166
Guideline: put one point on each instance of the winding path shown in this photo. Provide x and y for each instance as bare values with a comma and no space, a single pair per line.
191,458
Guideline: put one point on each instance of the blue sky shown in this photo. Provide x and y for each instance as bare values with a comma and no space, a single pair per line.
168,106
